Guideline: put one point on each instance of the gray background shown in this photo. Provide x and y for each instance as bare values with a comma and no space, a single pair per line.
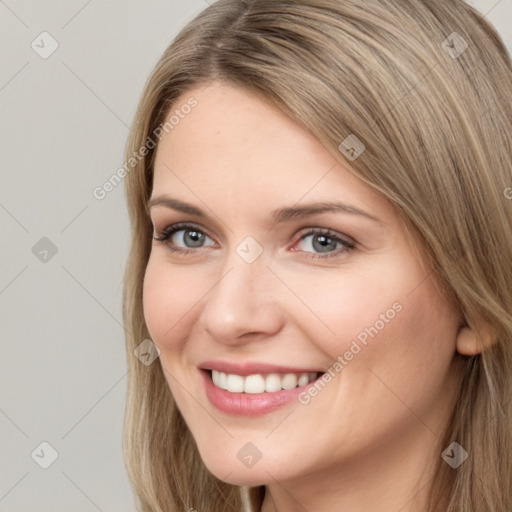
64,123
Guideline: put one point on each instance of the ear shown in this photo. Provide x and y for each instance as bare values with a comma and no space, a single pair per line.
474,340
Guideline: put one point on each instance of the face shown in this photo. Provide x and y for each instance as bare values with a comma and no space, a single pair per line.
256,279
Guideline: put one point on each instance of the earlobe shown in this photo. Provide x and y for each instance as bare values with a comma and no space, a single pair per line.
472,340
467,342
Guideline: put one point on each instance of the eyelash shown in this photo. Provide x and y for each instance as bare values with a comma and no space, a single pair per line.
348,245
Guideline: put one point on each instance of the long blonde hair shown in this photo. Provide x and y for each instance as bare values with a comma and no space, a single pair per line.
426,86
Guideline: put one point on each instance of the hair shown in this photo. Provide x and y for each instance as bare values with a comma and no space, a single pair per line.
437,131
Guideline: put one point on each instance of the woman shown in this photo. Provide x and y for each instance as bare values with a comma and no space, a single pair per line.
321,255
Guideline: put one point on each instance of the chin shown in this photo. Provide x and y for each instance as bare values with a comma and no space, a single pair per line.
235,473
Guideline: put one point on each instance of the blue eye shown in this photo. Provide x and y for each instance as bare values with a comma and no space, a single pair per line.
188,235
324,243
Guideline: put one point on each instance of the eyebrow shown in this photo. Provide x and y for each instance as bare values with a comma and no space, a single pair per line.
278,216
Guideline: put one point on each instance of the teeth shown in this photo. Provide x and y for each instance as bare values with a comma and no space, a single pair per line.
303,379
289,381
235,383
259,383
222,380
254,384
272,383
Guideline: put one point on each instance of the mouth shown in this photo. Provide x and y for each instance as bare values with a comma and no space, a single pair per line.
261,382
254,394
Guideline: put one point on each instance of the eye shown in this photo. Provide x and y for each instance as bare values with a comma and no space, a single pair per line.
316,242
184,238
324,243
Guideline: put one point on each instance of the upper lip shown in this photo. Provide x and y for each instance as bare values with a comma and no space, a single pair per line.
248,368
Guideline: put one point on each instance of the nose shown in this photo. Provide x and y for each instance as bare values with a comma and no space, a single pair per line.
244,304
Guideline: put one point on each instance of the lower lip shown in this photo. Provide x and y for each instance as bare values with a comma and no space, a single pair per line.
248,404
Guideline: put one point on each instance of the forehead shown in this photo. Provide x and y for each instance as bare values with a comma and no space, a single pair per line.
234,145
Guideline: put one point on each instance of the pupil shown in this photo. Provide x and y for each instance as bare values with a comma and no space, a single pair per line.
323,245
194,237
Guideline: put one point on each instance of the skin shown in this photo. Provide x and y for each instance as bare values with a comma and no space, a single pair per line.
366,441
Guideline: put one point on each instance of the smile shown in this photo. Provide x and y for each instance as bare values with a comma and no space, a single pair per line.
261,389
261,383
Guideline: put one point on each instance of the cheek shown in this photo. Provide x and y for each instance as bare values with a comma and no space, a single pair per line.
389,311
168,300
338,307
409,341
